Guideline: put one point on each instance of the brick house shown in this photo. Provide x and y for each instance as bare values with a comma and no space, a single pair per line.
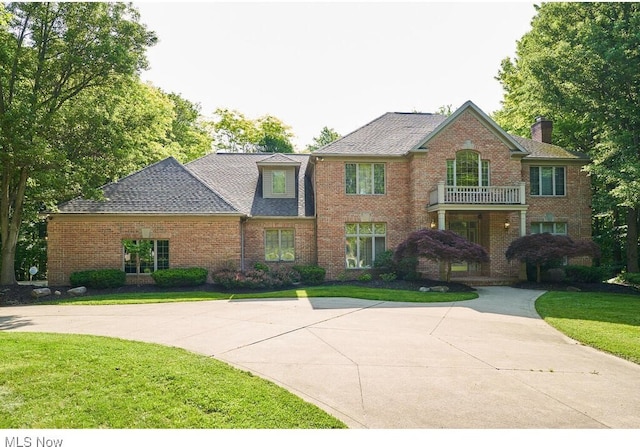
338,207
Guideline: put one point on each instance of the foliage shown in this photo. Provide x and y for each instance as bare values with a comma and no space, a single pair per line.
404,268
630,278
257,278
310,274
180,277
577,66
234,132
100,382
388,277
99,279
584,273
365,277
543,248
442,246
327,135
51,54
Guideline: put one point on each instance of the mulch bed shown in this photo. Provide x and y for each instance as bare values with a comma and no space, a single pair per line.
21,294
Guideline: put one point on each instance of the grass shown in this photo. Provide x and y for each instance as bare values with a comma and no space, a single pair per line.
347,291
606,321
72,381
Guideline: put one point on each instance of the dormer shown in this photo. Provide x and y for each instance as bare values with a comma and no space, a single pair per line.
278,174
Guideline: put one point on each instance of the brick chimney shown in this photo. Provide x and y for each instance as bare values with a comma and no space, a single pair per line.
541,130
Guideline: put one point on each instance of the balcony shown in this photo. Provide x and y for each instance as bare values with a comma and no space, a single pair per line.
478,195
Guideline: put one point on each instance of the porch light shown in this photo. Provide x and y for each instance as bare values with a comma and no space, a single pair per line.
433,224
507,224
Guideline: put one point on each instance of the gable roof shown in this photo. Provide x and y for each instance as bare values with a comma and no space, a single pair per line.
391,134
165,187
545,151
235,176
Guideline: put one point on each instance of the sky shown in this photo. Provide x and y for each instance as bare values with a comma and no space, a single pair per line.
334,64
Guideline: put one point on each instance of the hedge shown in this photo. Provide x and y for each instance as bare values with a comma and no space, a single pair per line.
180,277
99,279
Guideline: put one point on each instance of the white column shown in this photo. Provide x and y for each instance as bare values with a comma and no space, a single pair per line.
441,192
523,223
441,220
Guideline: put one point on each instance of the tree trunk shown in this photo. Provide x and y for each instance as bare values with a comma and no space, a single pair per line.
632,240
11,206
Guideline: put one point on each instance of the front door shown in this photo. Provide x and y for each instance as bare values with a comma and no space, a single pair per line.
469,230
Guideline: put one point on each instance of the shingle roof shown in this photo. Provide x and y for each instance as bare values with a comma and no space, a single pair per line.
539,150
390,134
166,187
235,177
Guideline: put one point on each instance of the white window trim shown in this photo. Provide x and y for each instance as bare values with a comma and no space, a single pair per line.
553,181
373,179
154,254
371,236
280,251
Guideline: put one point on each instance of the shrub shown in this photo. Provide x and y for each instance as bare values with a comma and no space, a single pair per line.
180,277
99,279
388,277
583,273
407,268
365,277
310,274
256,279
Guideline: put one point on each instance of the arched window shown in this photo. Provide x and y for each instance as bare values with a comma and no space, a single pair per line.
468,169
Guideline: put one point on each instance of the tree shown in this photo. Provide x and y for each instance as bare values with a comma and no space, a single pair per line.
542,248
50,53
578,66
327,135
440,245
234,132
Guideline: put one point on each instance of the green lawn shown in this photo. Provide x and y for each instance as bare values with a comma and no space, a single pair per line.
606,321
71,381
304,292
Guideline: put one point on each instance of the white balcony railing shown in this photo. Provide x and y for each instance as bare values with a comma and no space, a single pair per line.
481,195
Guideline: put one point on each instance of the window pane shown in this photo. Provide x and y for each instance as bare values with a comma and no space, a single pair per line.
271,251
534,177
366,252
485,172
547,227
287,245
279,179
351,253
561,228
450,173
352,228
559,174
546,179
162,255
365,178
366,228
380,228
378,178
467,168
380,246
350,178
129,258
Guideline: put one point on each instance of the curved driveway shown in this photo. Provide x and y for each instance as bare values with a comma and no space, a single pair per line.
486,363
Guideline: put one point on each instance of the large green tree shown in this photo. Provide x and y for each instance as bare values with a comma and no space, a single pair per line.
579,65
234,132
50,54
327,135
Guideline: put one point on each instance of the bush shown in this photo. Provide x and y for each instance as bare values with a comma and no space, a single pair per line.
583,273
365,277
388,277
310,274
256,279
180,277
407,268
99,279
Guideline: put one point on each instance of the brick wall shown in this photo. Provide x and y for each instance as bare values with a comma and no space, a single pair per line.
78,243
305,239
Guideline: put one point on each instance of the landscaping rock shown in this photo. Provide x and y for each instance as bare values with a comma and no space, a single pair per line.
39,293
424,289
439,289
573,289
77,291
57,293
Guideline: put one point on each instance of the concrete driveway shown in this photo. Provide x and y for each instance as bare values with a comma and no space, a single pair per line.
486,363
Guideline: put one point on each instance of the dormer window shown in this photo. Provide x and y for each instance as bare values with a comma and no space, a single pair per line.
279,182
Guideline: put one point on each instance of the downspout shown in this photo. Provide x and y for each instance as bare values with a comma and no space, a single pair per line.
242,221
